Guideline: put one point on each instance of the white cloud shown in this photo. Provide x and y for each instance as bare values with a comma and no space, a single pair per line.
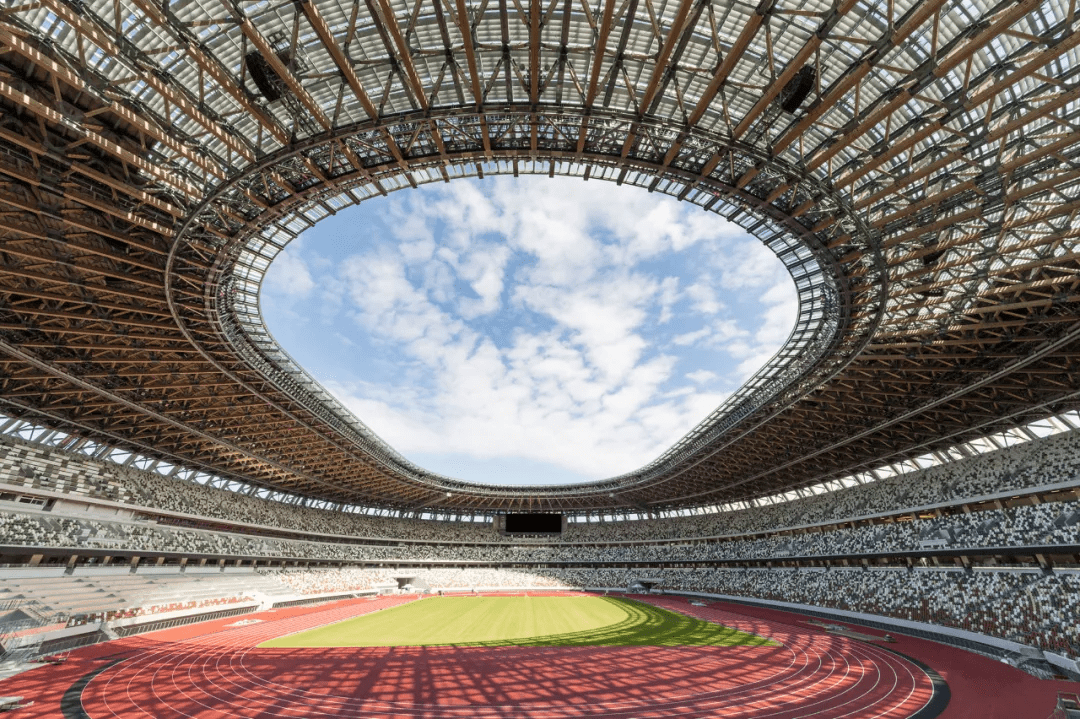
781,303
704,298
747,263
290,275
483,269
669,295
689,338
538,319
701,376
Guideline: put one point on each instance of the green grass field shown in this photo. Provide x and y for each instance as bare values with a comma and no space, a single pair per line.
520,621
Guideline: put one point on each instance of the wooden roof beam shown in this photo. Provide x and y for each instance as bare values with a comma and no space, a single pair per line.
384,15
100,324
953,157
267,51
397,48
213,67
337,54
111,208
681,27
138,193
77,300
603,34
176,96
854,76
21,99
746,36
69,218
910,89
32,54
797,62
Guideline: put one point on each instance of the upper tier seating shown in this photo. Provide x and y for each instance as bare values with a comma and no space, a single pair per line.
1052,523
1053,460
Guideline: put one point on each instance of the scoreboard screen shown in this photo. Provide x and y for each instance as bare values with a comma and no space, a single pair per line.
534,524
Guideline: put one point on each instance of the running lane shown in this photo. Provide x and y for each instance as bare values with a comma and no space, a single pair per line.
224,674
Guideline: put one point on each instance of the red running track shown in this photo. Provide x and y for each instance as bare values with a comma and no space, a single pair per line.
981,688
214,671
222,676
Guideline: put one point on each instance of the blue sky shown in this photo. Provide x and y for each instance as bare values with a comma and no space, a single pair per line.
532,330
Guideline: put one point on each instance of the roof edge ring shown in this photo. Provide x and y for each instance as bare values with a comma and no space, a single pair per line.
835,261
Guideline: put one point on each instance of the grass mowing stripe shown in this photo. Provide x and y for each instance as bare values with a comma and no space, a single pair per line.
521,621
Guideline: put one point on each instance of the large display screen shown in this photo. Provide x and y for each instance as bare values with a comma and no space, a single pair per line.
534,524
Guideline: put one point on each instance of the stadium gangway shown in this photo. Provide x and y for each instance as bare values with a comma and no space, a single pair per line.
1068,707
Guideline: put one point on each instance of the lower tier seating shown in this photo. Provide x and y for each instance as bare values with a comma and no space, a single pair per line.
1030,607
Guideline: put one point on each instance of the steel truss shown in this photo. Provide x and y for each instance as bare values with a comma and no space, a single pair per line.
155,157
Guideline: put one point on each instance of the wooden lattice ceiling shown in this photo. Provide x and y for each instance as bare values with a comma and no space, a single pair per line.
919,160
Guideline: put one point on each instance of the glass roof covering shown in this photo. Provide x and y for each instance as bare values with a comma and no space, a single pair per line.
922,184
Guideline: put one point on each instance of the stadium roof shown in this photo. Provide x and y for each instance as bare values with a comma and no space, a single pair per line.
915,165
